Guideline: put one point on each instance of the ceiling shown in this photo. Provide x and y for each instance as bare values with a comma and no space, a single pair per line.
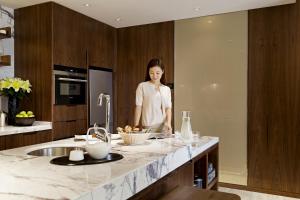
137,12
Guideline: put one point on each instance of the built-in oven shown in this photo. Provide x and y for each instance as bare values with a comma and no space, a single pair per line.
70,85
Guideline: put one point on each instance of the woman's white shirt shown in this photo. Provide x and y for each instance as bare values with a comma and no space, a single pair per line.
154,102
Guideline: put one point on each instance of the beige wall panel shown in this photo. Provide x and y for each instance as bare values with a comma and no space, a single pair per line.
211,81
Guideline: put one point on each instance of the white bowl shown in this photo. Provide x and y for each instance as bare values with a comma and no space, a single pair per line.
98,150
134,138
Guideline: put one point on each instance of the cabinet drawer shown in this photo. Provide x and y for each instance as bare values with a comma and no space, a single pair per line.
68,113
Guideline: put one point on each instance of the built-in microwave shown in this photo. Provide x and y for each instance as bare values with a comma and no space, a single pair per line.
70,85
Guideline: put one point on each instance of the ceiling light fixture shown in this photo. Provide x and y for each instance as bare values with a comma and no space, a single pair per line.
118,19
86,5
197,9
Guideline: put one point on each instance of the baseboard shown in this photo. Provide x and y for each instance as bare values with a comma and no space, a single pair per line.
251,189
233,178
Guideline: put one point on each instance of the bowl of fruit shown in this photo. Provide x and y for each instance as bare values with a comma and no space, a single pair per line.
24,118
133,136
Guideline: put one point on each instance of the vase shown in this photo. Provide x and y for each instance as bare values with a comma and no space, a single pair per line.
13,107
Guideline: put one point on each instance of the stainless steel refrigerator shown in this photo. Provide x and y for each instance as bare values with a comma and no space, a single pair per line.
100,81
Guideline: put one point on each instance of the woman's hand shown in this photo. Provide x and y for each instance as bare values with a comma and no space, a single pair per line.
167,128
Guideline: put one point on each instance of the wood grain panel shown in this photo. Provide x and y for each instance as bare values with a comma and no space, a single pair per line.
2,143
33,58
274,99
136,46
69,37
63,130
13,141
101,44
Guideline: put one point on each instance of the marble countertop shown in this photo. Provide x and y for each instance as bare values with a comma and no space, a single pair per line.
31,177
37,126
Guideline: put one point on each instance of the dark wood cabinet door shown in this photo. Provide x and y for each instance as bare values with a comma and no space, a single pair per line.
68,113
2,143
136,46
29,138
273,99
14,141
43,136
101,44
69,38
63,130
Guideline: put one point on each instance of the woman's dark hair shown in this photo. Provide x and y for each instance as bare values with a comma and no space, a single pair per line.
155,62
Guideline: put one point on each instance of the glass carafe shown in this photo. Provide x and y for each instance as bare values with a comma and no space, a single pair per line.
186,128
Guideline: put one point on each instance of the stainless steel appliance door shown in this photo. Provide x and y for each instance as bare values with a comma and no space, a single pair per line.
100,81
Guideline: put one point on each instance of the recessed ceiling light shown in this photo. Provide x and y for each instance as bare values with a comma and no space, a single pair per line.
197,9
86,4
118,19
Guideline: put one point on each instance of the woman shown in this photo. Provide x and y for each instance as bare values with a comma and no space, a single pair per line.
153,100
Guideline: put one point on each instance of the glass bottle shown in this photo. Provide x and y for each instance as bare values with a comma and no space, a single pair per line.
186,128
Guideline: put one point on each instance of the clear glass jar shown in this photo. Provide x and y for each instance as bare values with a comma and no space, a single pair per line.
186,128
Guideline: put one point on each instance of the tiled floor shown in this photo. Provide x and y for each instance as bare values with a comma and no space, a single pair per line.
247,195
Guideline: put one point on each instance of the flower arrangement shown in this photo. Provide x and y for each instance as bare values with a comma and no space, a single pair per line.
14,87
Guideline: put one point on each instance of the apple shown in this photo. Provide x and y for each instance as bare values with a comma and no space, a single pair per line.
22,112
29,113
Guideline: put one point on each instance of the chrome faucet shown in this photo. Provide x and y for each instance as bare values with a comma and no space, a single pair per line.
107,113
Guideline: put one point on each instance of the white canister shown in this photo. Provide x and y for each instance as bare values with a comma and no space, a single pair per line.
2,119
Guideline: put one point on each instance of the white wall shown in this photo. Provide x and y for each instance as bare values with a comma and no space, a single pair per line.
211,81
7,45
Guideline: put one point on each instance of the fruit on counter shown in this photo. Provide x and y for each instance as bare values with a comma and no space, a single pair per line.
128,129
25,114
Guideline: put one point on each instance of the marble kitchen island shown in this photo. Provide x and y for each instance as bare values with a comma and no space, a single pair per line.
31,177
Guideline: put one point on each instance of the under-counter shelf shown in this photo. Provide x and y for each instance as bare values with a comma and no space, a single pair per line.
5,32
201,167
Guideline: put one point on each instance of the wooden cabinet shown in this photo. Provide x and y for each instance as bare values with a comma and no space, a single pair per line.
101,44
184,176
136,46
69,37
273,100
25,139
48,34
69,121
181,176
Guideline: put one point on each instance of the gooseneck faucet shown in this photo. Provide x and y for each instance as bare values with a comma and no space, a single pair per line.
107,112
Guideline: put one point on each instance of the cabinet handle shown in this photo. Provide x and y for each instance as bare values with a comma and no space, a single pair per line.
29,133
72,80
74,120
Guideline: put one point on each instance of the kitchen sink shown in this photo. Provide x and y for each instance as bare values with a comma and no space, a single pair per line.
53,151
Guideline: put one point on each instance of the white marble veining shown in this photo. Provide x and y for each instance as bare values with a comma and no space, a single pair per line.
37,126
30,177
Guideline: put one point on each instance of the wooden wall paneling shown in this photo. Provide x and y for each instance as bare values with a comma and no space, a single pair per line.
136,46
69,37
33,58
273,99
